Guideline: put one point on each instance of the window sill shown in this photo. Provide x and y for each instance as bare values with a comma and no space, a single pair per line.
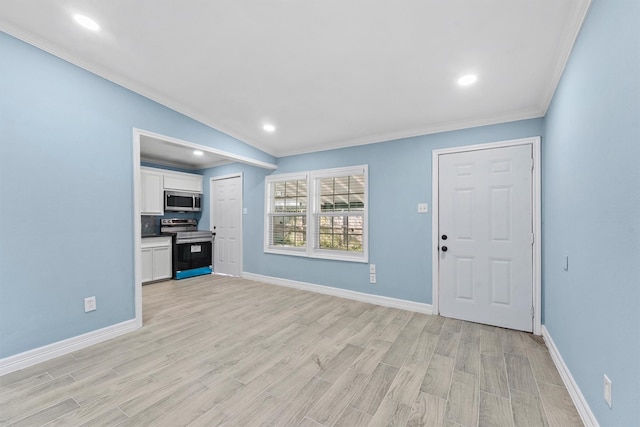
281,251
333,256
361,258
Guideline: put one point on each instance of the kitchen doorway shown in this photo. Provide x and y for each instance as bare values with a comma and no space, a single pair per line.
486,224
168,154
226,223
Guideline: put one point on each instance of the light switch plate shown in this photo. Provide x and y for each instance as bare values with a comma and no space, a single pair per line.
423,207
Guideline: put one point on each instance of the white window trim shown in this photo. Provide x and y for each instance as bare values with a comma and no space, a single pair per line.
312,178
295,251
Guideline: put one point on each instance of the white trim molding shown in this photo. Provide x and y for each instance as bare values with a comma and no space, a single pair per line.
402,304
60,348
536,219
578,399
137,226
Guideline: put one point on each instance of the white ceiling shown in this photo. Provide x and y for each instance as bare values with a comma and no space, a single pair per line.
160,151
327,73
165,150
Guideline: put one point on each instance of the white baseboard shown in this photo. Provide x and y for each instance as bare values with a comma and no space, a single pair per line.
579,401
343,293
60,348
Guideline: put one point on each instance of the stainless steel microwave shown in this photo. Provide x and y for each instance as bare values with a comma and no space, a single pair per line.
179,201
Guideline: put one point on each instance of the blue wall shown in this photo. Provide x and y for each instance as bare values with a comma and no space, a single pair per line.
591,211
66,180
399,237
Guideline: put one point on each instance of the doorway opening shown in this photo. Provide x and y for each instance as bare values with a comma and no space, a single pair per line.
168,151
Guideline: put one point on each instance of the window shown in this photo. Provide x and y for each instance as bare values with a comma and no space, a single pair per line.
320,214
339,213
287,212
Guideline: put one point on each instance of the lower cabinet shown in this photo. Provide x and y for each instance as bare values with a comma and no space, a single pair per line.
156,258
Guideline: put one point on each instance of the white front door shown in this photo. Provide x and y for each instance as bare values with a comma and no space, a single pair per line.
226,220
486,236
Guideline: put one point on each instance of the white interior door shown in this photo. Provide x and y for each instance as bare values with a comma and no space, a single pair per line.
226,221
486,236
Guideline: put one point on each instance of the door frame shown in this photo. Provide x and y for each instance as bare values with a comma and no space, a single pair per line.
240,213
536,218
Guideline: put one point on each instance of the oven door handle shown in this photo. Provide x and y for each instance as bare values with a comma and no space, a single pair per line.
195,240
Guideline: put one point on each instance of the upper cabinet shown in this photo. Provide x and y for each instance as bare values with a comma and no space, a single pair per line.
182,182
154,181
151,200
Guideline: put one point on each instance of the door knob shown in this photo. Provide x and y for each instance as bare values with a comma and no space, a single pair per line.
444,237
444,249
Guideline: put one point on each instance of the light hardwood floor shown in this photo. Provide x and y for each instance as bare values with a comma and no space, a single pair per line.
226,351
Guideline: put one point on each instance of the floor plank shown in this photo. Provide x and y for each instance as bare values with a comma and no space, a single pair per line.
330,406
527,409
406,386
427,410
376,388
391,413
519,374
493,375
558,406
437,380
353,418
495,411
464,398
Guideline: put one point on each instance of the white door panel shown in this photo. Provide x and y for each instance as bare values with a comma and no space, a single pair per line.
226,207
485,260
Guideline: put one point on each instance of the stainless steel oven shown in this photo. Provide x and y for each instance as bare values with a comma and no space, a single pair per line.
192,248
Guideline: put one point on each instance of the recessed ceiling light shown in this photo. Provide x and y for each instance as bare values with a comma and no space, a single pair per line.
197,153
268,127
467,80
86,22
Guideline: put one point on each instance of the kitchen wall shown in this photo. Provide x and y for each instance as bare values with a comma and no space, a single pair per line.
591,211
66,180
400,237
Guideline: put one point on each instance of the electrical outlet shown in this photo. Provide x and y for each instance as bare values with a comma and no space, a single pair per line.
372,278
423,207
372,269
607,390
89,304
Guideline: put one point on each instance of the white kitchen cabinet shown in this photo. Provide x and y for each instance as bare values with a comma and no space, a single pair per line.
151,194
156,258
182,182
147,264
162,263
